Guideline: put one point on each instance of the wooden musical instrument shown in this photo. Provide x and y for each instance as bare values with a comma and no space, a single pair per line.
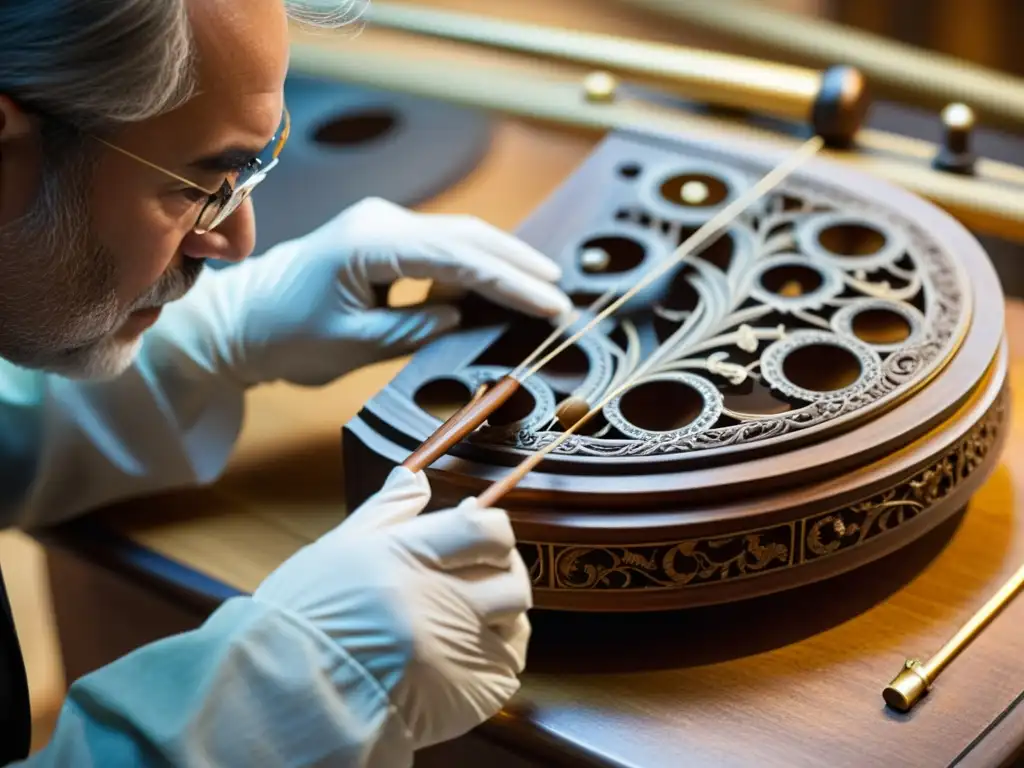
821,385
833,103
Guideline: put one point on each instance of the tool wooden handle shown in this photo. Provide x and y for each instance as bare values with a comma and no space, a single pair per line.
461,423
834,102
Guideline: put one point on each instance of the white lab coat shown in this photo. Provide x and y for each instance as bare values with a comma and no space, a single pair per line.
253,687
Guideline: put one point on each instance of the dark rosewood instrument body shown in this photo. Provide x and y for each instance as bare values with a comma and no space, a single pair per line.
820,387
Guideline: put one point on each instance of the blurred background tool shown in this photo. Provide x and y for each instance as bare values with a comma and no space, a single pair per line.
491,64
832,102
895,69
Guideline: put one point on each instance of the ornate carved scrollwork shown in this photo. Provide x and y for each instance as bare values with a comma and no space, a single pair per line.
834,323
813,306
696,562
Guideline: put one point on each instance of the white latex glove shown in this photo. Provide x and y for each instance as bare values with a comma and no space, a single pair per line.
433,606
305,311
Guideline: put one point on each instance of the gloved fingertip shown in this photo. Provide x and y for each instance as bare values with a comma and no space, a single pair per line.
546,269
566,317
552,271
445,317
399,476
563,305
406,479
549,301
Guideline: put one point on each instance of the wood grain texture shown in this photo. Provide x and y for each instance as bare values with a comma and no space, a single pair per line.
999,745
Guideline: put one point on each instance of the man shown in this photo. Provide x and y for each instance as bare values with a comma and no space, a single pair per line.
131,132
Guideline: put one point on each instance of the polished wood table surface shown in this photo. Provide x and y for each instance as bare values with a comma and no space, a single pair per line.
791,680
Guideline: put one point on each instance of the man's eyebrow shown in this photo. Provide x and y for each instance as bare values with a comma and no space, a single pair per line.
228,160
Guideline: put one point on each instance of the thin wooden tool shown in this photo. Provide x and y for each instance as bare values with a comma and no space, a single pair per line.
485,402
916,679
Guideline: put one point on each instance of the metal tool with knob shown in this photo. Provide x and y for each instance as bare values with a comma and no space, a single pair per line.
955,155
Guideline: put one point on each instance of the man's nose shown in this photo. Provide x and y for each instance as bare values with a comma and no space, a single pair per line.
232,241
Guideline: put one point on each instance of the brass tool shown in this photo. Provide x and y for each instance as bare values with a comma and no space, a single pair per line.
833,102
895,70
916,678
989,200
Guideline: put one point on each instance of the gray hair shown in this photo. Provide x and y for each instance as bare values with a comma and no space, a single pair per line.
102,63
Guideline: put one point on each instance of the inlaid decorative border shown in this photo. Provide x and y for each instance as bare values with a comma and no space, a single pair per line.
694,563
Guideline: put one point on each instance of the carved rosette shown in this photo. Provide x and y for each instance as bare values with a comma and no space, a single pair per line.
768,375
694,563
813,305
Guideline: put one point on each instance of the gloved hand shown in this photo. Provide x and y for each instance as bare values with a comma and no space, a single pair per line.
434,607
305,311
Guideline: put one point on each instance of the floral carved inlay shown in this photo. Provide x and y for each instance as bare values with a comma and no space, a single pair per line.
697,562
815,304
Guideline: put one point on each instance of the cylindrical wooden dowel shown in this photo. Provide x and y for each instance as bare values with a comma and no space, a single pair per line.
461,423
834,102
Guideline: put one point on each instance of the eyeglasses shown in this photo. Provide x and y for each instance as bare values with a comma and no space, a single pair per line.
223,202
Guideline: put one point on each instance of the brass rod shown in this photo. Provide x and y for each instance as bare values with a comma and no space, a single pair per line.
894,70
832,102
916,678
990,201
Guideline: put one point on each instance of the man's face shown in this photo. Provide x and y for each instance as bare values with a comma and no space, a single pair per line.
93,243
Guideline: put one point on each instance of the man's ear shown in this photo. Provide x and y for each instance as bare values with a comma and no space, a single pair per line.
15,123
19,159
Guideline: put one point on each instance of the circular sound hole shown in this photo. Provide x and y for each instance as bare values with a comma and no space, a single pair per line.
694,190
821,367
851,240
880,326
611,254
516,408
791,280
661,406
567,369
442,397
355,129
